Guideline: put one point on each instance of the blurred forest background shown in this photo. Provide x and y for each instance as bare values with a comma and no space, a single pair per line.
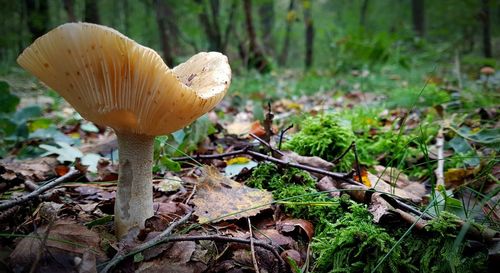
265,35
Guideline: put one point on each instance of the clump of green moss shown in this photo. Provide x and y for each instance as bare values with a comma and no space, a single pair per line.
326,136
347,240
296,189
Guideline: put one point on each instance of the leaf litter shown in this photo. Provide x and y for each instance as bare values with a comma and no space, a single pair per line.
221,203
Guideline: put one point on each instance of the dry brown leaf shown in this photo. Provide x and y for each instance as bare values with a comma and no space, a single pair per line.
275,237
289,225
220,198
65,241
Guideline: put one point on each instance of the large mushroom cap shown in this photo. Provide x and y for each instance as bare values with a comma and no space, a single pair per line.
112,80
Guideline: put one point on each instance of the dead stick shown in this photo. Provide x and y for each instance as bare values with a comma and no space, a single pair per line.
162,237
259,243
341,176
265,143
34,194
252,249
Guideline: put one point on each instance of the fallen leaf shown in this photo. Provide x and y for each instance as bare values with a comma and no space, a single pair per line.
168,184
290,225
65,241
220,198
257,129
275,237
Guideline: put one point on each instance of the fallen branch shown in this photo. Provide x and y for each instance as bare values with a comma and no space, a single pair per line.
36,193
162,237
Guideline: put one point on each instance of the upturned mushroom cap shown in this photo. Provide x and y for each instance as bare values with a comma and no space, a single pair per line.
111,80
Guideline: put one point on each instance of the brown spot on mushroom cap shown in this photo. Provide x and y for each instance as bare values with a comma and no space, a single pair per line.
124,85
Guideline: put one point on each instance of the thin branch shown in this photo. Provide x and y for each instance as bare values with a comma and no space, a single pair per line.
252,249
282,134
259,243
266,144
336,160
36,193
162,237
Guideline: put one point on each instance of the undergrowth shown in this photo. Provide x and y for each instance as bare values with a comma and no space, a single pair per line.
347,240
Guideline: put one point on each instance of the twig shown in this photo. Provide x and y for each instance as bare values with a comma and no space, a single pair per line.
162,237
340,176
264,245
440,158
266,144
282,134
268,123
34,194
358,167
336,160
252,250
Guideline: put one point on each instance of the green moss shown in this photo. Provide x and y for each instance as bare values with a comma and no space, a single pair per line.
354,244
326,136
347,240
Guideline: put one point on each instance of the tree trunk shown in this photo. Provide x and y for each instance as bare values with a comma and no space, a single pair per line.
362,15
92,12
69,7
256,58
290,18
309,33
266,15
37,12
418,15
210,25
486,22
162,13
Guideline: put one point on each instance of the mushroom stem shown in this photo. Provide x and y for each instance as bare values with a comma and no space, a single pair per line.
134,195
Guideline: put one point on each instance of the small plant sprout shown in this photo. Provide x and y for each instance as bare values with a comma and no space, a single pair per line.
113,81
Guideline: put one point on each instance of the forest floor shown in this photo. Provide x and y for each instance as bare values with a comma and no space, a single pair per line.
380,170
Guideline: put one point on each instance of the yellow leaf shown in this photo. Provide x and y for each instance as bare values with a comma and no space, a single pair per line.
238,160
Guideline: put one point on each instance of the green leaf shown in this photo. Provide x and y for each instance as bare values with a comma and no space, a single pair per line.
91,161
460,145
89,127
65,152
169,164
27,113
7,126
52,133
138,257
40,123
8,101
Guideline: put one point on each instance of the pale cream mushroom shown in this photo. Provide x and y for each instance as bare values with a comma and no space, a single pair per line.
113,81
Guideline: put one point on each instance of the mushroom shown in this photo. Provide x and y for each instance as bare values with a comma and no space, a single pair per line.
113,81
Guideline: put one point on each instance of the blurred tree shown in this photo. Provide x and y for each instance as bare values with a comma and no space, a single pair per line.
266,15
291,16
164,10
37,12
362,13
309,32
486,25
418,16
92,12
209,18
256,58
69,7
